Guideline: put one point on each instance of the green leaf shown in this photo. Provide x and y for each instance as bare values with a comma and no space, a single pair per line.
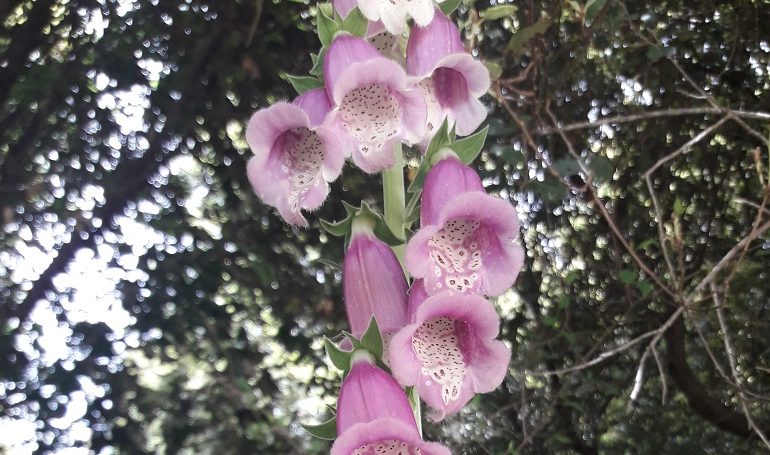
355,23
550,190
326,430
338,357
467,149
566,166
627,276
303,83
520,38
448,6
601,168
338,228
371,340
593,7
326,28
645,287
563,302
495,70
498,12
679,207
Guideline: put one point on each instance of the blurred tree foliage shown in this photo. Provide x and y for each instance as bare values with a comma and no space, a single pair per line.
631,137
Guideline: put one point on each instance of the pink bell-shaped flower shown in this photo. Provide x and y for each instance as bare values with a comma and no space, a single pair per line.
373,283
469,248
294,156
451,79
446,179
449,352
373,105
374,416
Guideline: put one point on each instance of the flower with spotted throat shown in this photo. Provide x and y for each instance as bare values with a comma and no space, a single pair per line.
373,283
468,248
451,79
373,105
449,352
374,416
294,155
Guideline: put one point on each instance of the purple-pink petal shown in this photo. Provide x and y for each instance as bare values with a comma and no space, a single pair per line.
417,295
293,162
368,394
374,109
450,353
315,103
343,52
427,45
445,180
374,285
384,436
470,249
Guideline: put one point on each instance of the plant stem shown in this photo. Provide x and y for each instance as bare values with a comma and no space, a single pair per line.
395,201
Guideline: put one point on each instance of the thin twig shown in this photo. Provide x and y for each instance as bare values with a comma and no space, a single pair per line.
686,146
730,255
657,334
734,366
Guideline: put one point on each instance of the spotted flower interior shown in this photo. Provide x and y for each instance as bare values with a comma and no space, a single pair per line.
436,343
390,447
301,155
456,252
372,115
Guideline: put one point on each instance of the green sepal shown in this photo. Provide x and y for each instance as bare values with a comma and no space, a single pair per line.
327,27
318,63
371,340
326,430
440,140
337,228
468,148
412,209
355,23
338,357
381,229
303,83
414,401
448,6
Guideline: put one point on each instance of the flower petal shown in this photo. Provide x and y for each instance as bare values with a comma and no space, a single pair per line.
376,107
315,103
449,353
469,249
445,180
292,163
344,51
429,44
368,394
381,435
374,284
